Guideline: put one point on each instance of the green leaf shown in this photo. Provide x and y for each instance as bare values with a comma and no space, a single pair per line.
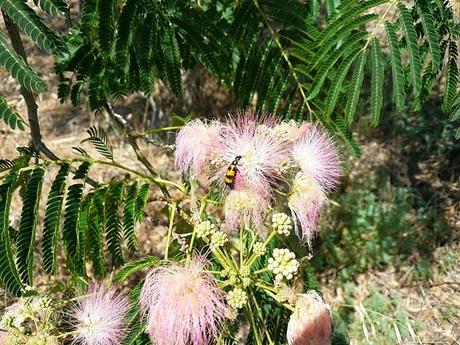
52,222
172,60
355,87
32,25
376,81
99,139
17,67
125,32
141,201
337,82
26,232
54,7
9,276
399,94
69,230
450,89
133,267
414,56
107,26
113,225
95,242
128,217
432,37
10,116
349,45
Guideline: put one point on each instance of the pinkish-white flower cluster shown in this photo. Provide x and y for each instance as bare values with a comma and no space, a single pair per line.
183,304
100,318
273,155
311,322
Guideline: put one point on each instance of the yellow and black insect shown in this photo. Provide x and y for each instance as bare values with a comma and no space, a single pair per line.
232,170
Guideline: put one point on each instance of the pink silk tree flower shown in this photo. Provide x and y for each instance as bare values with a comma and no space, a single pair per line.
311,322
305,203
244,209
184,305
318,157
264,154
100,318
195,143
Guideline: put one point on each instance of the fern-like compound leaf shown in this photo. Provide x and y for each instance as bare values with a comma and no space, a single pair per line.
10,116
69,229
32,25
114,230
54,7
25,242
141,201
450,89
100,141
399,94
414,55
432,37
355,87
128,217
9,276
337,82
107,26
18,68
95,241
172,60
376,81
132,267
52,221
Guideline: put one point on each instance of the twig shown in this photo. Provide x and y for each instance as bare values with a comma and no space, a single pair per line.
32,109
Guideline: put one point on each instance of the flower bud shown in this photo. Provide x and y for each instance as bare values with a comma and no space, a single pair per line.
310,323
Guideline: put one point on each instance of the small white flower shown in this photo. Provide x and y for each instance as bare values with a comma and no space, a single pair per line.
218,239
237,298
283,264
282,223
204,229
259,249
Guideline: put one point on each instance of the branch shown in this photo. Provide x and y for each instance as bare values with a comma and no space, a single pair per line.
132,137
32,109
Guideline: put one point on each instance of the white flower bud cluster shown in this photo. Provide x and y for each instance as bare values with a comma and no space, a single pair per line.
205,229
218,239
232,276
283,264
259,249
282,223
245,272
237,298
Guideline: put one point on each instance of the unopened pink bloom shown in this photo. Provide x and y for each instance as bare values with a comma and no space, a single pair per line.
244,208
311,322
318,157
264,154
100,319
194,144
183,304
305,203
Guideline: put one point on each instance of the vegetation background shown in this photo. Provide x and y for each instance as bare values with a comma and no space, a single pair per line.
388,252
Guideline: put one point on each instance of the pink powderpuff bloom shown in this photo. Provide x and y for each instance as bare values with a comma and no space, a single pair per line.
195,143
264,154
100,318
305,204
311,322
4,338
184,305
244,209
318,157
